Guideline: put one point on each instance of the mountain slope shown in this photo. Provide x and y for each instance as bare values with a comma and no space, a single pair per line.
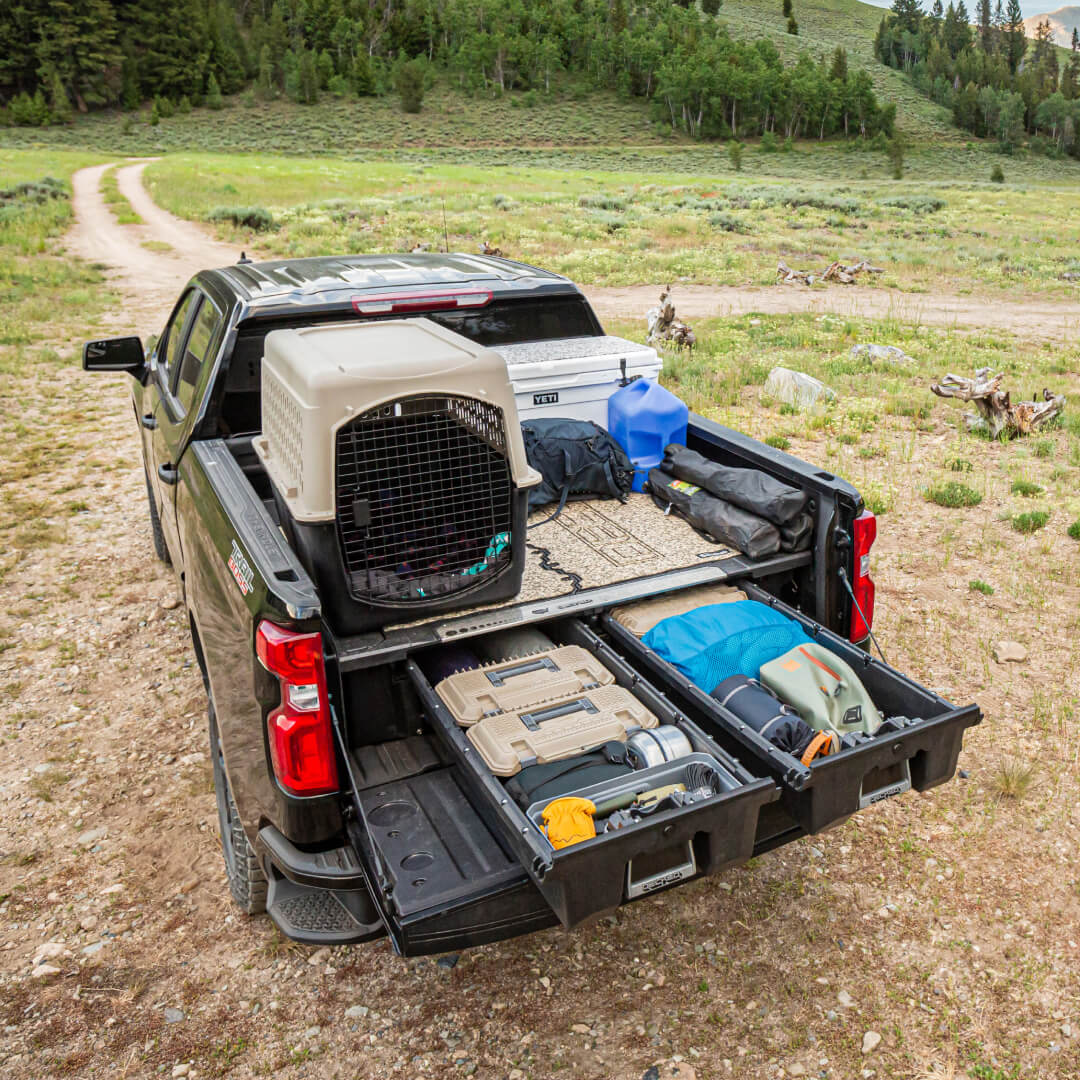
1062,22
824,24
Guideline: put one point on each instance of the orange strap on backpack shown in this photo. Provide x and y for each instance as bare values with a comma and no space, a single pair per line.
823,743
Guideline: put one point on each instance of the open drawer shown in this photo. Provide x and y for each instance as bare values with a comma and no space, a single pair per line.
831,788
597,875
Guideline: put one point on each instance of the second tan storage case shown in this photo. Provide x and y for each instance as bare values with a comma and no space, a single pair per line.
558,729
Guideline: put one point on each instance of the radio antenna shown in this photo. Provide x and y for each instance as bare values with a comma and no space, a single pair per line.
446,235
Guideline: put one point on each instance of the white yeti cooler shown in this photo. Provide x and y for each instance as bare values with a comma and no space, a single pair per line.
574,377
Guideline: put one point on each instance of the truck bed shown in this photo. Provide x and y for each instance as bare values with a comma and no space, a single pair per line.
597,542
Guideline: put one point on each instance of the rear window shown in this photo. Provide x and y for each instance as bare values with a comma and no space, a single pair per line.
511,322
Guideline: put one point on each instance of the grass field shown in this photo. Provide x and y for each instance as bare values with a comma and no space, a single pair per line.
623,227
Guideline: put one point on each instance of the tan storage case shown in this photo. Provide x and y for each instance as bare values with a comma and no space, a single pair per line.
318,378
558,729
639,618
521,683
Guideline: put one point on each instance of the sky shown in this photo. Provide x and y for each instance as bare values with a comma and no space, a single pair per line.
1029,7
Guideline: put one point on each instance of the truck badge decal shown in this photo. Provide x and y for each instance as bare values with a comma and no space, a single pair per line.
241,570
550,398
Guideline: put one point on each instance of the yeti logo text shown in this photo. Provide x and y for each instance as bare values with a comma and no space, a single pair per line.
550,398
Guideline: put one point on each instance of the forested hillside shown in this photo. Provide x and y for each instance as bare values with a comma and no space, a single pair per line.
57,56
996,82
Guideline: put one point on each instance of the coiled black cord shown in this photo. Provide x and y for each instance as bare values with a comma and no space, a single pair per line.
549,564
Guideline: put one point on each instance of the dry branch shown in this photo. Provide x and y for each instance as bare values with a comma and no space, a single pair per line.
836,271
664,327
996,413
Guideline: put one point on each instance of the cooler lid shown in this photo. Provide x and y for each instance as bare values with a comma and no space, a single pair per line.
587,353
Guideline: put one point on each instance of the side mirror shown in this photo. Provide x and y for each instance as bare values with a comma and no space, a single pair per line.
115,354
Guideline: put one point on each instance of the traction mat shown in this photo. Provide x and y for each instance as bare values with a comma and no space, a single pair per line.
604,541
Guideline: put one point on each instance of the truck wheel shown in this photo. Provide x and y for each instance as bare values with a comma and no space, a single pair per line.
247,882
160,549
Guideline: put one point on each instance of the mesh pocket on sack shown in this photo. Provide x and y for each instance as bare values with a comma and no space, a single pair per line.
745,652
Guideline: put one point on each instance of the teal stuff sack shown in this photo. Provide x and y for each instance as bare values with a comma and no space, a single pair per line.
715,642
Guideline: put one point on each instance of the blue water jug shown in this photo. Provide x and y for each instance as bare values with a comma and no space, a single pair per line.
643,418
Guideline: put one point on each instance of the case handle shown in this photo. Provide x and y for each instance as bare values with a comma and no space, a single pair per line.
533,720
498,678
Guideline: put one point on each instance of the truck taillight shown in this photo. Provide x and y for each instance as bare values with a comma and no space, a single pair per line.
301,739
862,610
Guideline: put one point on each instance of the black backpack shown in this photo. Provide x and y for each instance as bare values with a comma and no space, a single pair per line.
575,458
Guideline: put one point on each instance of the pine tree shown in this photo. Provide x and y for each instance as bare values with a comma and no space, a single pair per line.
1016,39
326,69
937,10
1076,40
213,93
264,81
59,103
907,14
308,76
710,7
130,96
986,28
839,69
792,26
409,83
788,10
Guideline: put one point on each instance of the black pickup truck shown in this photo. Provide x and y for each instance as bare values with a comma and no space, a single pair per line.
377,818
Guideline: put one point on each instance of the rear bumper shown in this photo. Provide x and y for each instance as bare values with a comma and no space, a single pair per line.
338,868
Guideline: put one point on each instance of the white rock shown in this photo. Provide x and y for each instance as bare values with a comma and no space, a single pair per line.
112,889
356,1012
891,354
1010,652
91,837
181,1070
50,950
319,956
870,1042
43,971
796,388
846,999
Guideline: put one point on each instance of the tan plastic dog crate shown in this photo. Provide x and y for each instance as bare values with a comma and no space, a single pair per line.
521,683
639,618
316,379
553,730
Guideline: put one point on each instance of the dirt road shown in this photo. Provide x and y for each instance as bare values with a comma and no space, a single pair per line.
121,955
1046,320
152,278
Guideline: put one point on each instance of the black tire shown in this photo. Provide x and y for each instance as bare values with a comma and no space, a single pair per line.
247,882
160,550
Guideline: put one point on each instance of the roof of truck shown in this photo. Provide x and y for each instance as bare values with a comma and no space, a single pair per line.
315,280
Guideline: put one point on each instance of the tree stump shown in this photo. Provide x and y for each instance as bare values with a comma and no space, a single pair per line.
996,412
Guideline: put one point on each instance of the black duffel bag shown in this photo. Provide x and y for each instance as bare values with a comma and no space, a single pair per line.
721,521
753,490
576,458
